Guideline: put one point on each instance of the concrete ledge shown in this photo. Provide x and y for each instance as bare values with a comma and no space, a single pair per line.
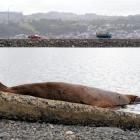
70,43
27,108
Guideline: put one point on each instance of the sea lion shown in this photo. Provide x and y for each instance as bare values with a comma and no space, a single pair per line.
72,93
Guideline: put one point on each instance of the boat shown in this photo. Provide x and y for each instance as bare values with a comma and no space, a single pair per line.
104,35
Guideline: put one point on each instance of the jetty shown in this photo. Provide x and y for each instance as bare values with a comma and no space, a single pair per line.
71,43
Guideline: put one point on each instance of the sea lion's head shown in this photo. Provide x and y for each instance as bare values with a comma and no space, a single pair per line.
133,99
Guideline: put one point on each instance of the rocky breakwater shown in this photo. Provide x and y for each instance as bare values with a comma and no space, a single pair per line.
27,108
70,43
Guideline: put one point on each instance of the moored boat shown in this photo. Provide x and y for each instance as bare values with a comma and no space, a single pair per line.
104,35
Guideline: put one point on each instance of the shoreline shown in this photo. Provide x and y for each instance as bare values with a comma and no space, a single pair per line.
27,117
70,43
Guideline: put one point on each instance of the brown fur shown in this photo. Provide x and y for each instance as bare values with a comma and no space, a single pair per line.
72,93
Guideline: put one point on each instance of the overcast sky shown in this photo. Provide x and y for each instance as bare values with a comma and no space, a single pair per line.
104,7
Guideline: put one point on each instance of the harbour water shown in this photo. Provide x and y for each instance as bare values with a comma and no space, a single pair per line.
115,69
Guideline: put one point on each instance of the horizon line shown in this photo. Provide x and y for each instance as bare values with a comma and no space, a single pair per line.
26,14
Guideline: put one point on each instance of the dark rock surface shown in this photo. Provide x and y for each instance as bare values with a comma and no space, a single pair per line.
16,130
70,43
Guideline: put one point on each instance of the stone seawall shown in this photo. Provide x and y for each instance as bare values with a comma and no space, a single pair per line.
70,43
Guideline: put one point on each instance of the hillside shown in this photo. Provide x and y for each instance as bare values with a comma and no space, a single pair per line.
68,25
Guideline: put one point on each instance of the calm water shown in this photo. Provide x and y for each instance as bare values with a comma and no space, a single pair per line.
116,69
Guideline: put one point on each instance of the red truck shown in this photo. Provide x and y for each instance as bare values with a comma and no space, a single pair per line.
34,37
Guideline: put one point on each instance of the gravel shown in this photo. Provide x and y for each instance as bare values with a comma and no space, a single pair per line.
16,130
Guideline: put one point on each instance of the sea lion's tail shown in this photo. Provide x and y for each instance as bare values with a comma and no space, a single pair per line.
3,87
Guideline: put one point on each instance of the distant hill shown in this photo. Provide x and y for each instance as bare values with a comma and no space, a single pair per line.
53,15
11,16
59,24
16,16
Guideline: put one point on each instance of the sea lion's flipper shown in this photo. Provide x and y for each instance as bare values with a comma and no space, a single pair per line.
133,99
137,100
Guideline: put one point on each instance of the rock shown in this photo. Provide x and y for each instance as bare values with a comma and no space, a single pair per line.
70,43
4,134
27,108
51,126
69,133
